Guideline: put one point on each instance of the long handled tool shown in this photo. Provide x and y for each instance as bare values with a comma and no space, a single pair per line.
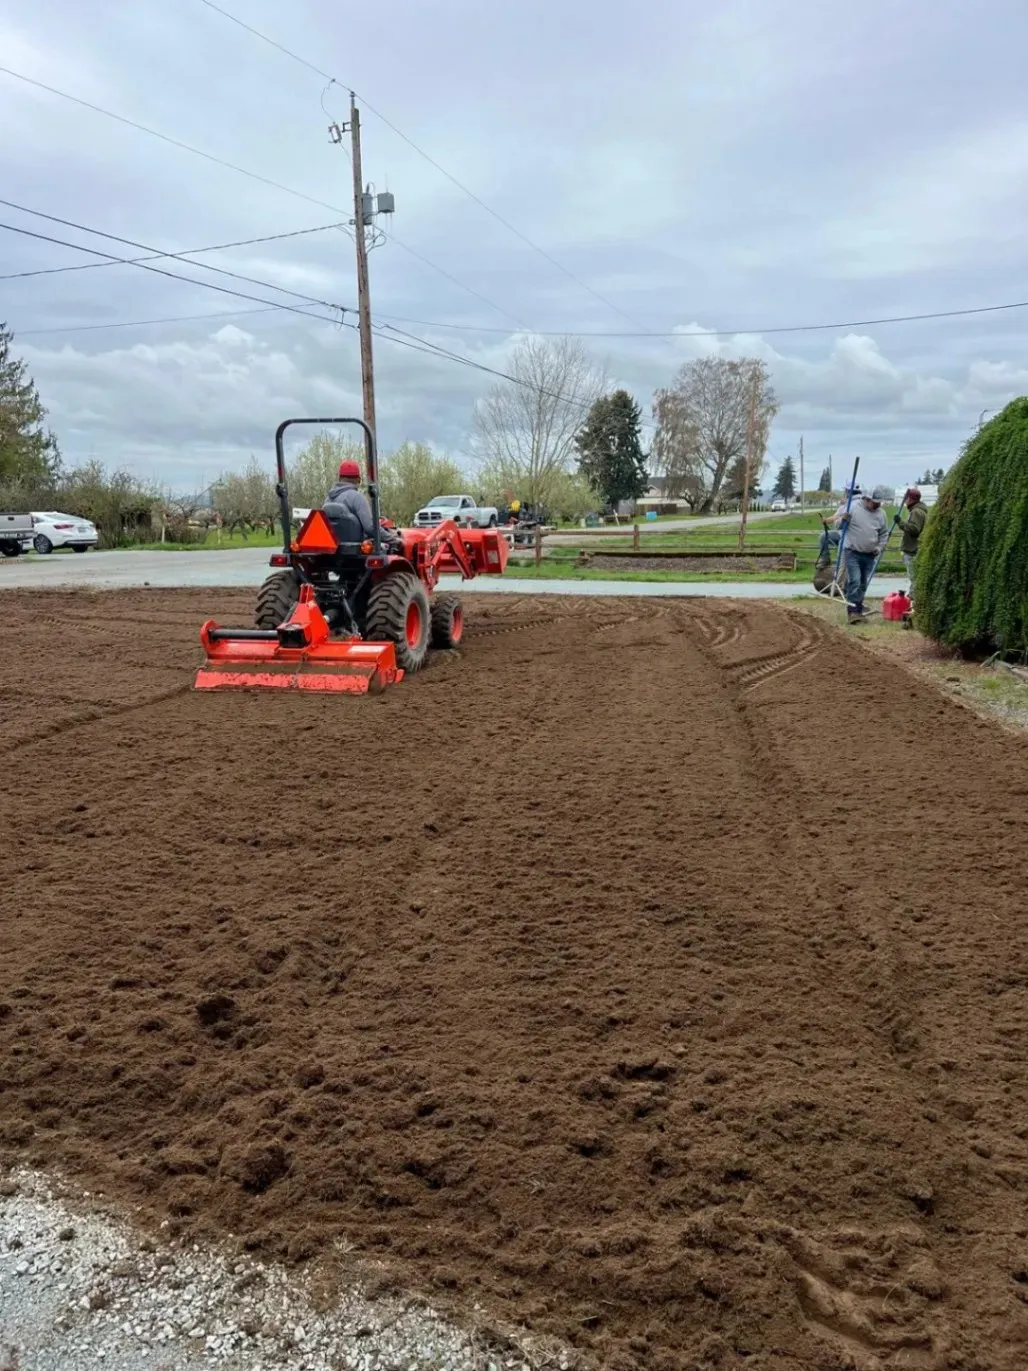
885,546
834,589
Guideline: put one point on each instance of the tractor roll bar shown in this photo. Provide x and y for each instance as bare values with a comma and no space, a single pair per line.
371,459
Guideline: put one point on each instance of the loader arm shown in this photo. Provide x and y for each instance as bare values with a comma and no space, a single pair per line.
449,550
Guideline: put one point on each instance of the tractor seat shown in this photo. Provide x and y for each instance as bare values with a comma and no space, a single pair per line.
345,524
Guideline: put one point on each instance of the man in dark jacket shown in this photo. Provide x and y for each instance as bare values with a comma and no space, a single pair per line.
917,514
347,508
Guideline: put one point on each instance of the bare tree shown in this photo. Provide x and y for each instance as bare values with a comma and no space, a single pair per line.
246,500
526,427
703,420
674,452
186,518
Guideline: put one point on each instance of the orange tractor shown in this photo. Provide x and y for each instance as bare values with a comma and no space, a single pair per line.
343,615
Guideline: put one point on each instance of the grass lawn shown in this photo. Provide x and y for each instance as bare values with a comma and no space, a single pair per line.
214,543
556,569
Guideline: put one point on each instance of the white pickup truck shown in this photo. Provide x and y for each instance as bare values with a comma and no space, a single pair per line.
16,534
462,509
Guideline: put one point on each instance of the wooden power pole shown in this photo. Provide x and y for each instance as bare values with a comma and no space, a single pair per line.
751,423
363,290
803,502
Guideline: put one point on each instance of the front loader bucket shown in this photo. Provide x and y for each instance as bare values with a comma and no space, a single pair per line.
235,662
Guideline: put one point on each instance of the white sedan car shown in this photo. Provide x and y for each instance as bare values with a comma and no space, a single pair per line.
53,529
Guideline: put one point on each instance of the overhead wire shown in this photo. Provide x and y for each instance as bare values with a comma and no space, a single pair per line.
495,214
388,333
253,175
175,256
739,332
138,323
483,328
174,275
155,256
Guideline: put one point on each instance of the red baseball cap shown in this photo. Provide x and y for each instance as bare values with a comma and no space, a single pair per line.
349,471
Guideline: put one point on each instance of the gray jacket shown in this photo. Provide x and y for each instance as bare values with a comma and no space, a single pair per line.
345,493
868,529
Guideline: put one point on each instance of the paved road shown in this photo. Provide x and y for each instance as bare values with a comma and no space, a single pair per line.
249,566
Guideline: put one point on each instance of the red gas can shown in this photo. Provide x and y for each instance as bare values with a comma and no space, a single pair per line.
895,605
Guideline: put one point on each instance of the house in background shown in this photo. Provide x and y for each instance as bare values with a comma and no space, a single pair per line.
656,497
929,494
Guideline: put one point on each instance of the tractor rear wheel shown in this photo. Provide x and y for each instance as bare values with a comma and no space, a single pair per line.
398,613
447,621
276,598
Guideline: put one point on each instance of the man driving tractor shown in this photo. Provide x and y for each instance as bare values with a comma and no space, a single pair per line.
348,509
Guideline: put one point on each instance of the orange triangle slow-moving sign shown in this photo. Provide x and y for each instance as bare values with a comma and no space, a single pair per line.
315,535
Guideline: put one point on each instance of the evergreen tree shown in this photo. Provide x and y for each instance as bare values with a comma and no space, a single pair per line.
785,481
972,566
610,454
28,452
825,483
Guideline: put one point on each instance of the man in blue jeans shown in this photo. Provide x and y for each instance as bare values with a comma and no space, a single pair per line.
867,531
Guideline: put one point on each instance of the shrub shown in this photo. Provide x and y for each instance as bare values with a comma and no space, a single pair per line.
972,566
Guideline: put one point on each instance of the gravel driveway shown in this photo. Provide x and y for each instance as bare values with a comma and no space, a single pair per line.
81,1290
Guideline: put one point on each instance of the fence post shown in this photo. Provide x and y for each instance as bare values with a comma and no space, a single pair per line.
635,537
538,545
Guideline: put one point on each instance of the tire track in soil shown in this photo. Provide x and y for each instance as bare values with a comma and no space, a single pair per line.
629,1070
894,984
838,1298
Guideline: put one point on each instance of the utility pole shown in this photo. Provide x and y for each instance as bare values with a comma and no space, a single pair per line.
803,503
363,290
366,208
749,462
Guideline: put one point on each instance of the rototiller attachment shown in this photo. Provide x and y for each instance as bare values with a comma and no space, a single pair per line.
345,612
298,655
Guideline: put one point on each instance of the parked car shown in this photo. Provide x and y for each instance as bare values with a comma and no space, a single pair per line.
778,507
54,529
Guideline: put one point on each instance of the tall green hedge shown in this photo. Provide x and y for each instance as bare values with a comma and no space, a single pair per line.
972,566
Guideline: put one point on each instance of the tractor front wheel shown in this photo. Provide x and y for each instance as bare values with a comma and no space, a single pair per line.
398,613
447,621
276,598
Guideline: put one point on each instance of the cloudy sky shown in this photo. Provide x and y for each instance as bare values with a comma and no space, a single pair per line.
736,168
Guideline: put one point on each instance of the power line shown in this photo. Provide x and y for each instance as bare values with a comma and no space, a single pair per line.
397,336
172,275
243,171
389,319
193,252
740,332
511,228
287,51
417,344
401,338
138,323
176,256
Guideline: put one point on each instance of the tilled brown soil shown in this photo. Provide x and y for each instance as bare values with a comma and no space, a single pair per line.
654,974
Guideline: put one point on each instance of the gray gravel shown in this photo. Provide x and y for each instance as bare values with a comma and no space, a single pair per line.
79,1289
